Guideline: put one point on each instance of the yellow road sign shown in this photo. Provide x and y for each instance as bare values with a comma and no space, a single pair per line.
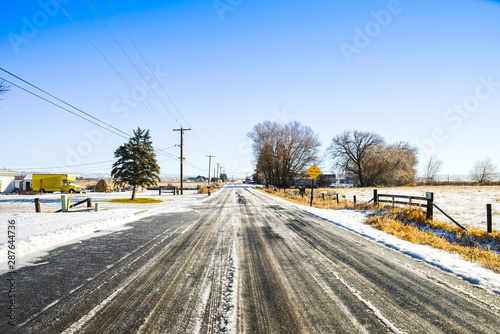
314,171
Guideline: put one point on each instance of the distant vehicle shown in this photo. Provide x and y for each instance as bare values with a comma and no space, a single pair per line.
55,182
249,180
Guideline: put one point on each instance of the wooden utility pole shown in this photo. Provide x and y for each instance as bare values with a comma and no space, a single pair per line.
209,164
182,156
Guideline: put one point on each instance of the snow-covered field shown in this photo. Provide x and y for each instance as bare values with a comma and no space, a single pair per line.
37,233
466,205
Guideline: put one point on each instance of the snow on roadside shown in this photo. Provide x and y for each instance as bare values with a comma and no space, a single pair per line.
38,233
354,221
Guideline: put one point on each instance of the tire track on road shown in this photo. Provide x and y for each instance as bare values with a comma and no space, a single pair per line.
140,282
385,280
307,281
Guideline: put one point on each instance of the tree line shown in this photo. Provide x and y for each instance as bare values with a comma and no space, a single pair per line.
282,153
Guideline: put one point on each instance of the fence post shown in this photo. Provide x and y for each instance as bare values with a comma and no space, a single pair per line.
337,198
430,206
159,191
312,191
393,201
375,196
354,199
323,196
64,203
37,205
489,221
89,202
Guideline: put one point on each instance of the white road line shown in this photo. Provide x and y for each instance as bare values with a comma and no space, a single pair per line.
83,320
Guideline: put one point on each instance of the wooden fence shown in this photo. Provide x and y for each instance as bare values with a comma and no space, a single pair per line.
423,202
426,202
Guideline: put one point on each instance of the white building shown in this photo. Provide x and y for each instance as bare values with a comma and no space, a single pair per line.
27,182
7,181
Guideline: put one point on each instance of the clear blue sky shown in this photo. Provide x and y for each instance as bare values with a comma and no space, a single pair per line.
421,71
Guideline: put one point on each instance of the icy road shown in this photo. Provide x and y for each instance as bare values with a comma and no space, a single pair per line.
242,262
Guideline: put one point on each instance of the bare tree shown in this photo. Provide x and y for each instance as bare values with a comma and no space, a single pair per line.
432,168
4,88
366,155
483,170
396,165
351,152
281,152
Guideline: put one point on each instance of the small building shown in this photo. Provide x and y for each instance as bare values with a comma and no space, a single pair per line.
18,182
342,181
27,182
7,183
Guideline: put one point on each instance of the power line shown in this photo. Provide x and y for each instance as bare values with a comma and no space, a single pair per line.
133,64
194,156
131,61
120,75
68,166
144,59
193,166
58,99
71,112
121,134
154,75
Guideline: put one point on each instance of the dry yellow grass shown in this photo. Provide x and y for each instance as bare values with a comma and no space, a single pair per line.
202,189
410,223
329,202
465,245
135,201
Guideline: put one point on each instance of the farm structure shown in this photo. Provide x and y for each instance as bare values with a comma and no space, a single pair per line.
7,181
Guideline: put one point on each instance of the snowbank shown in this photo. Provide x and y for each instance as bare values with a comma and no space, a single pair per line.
38,233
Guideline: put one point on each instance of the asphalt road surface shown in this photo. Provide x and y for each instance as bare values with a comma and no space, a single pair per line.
241,262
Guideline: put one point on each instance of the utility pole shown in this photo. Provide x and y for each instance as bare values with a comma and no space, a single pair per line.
182,156
209,164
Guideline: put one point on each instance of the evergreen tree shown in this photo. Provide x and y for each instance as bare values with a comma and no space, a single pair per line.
136,164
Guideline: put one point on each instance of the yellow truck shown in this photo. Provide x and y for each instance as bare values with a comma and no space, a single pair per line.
55,182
